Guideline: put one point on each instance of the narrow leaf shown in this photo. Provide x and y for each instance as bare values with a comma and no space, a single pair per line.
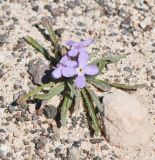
53,92
46,23
23,99
102,62
65,106
99,85
72,89
38,47
91,112
95,99
125,86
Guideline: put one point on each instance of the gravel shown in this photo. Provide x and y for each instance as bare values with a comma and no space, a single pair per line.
117,27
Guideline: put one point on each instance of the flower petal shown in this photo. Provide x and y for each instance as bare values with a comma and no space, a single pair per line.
73,52
68,71
69,43
87,42
82,50
57,72
64,59
91,70
80,81
71,63
83,59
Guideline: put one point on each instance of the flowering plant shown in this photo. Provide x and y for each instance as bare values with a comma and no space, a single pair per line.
72,76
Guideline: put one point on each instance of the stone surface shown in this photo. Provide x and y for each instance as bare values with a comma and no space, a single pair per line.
125,120
38,70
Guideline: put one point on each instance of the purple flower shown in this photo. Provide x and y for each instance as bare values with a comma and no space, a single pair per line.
65,68
78,47
84,69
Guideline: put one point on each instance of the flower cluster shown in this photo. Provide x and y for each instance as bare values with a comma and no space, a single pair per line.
75,63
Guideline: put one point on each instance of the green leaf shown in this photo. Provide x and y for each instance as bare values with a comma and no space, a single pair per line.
53,92
102,62
38,47
114,58
95,99
59,50
99,85
125,86
91,111
22,100
68,100
72,89
47,24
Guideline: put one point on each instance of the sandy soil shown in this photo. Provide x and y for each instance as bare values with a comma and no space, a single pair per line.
117,27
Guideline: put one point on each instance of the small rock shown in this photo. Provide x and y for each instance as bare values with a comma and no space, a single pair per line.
48,7
153,77
59,31
50,111
58,11
73,4
76,144
125,120
37,71
127,69
1,73
3,38
125,24
1,98
73,153
95,140
35,8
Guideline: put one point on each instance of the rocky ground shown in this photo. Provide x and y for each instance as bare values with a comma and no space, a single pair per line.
117,27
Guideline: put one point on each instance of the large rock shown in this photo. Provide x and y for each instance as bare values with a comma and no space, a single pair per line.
125,120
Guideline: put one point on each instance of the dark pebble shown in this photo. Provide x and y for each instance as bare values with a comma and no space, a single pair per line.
35,8
97,158
9,118
40,145
2,131
49,130
8,12
25,142
125,23
76,144
127,69
153,77
48,7
56,1
50,111
9,155
122,12
3,38
59,31
153,44
15,19
105,147
2,141
73,4
58,11
94,141
1,72
57,151
1,98
11,108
